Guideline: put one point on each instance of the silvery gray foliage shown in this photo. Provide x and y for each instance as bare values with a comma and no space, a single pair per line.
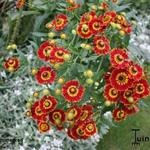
140,42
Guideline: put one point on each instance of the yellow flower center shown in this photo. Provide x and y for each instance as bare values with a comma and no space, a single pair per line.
118,58
73,91
122,78
113,93
101,44
45,75
140,88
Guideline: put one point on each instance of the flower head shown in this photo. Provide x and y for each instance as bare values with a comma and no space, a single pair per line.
60,22
119,114
57,55
12,63
57,117
48,104
45,75
37,112
44,52
120,80
141,89
72,91
84,31
101,45
119,58
110,93
43,126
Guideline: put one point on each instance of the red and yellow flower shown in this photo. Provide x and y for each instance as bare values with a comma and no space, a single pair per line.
73,5
119,58
84,31
135,71
37,112
95,26
101,45
73,113
110,93
87,112
45,75
60,22
127,97
119,114
57,55
90,128
141,89
44,51
43,126
77,132
88,17
107,18
57,117
12,63
72,91
20,4
48,104
120,80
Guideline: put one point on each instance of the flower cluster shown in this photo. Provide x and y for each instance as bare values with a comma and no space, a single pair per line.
125,84
71,103
77,120
52,53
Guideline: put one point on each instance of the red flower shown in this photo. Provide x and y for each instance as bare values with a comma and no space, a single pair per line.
110,93
120,80
131,109
45,50
88,17
20,4
118,58
57,55
141,89
127,97
87,111
37,112
57,117
60,22
84,31
120,19
107,18
104,5
43,126
119,114
135,71
73,113
101,45
73,7
48,104
12,63
78,132
95,26
72,91
90,128
45,75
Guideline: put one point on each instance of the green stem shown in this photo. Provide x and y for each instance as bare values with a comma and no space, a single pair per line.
100,65
15,31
